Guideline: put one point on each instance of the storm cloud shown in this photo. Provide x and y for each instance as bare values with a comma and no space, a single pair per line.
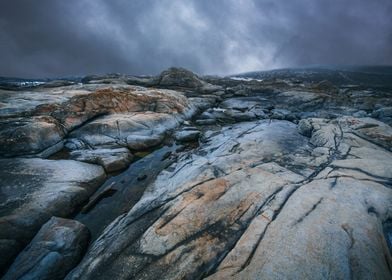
50,38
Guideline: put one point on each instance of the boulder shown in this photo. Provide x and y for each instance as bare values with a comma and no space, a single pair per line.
179,77
143,142
110,159
55,250
21,136
305,127
34,190
187,135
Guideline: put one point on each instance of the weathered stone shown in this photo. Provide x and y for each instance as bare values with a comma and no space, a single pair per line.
205,194
179,77
55,250
352,243
74,144
33,190
20,136
110,159
97,114
305,127
326,136
143,142
187,135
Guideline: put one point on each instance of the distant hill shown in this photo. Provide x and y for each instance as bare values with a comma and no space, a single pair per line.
375,76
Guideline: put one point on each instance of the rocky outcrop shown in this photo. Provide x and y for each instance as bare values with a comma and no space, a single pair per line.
234,210
96,114
227,178
53,252
179,77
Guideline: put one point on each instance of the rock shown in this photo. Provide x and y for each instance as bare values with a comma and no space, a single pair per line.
369,129
179,77
239,116
143,142
385,112
211,89
138,130
327,86
281,114
218,196
21,136
326,136
33,190
187,135
74,144
305,127
110,159
301,100
214,113
55,250
360,114
97,114
205,122
320,151
348,248
237,210
242,103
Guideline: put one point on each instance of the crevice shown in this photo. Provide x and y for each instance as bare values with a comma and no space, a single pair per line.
372,210
300,220
349,231
139,213
169,218
387,184
386,180
370,141
333,184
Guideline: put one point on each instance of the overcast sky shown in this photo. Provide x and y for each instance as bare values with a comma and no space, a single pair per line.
48,38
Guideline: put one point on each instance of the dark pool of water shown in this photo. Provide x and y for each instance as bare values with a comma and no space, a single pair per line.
127,188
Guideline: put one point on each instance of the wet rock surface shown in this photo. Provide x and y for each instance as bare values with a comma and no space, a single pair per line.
221,178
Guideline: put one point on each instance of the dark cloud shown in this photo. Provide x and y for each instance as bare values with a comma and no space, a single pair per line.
56,38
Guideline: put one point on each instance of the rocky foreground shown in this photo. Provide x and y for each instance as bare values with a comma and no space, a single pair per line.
186,177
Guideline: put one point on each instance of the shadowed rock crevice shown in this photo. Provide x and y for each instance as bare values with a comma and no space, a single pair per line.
308,212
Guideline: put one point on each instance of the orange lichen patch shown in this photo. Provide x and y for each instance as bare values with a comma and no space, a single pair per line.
201,250
113,101
192,211
212,190
242,207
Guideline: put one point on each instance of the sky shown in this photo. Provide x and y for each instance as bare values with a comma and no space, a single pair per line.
55,38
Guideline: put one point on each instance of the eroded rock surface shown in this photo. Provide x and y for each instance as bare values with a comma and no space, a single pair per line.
276,178
254,202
